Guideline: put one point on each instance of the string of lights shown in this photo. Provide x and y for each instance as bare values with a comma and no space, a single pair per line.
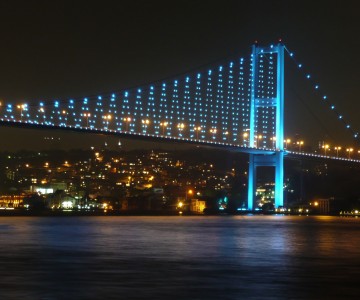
199,106
210,105
325,99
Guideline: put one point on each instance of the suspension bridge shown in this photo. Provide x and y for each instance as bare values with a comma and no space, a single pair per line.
238,105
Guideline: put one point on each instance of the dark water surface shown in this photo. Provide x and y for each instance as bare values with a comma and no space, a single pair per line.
180,257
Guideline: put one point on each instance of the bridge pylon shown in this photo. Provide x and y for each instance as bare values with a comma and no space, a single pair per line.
265,99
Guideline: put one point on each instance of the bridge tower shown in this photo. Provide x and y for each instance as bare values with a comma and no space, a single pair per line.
275,102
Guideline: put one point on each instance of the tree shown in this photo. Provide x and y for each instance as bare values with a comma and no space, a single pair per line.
35,202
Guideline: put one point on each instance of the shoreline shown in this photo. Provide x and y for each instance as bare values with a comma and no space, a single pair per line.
50,213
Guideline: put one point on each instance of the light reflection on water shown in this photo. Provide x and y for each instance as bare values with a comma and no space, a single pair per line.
224,257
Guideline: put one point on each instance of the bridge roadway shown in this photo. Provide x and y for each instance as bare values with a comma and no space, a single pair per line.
160,138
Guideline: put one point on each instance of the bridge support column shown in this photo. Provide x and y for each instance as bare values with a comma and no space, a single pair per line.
262,99
251,182
279,179
263,160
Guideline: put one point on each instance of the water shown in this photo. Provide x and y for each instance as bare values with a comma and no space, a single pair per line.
180,257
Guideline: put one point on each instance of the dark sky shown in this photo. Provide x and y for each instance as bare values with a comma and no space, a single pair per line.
69,49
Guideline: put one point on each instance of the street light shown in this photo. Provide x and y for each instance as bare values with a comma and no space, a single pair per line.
145,123
287,141
273,139
349,150
180,204
64,112
22,107
163,125
181,127
107,119
127,121
87,115
42,110
337,150
197,129
213,132
245,136
300,143
325,148
190,193
257,140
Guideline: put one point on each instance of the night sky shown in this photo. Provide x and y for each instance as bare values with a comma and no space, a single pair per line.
70,49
